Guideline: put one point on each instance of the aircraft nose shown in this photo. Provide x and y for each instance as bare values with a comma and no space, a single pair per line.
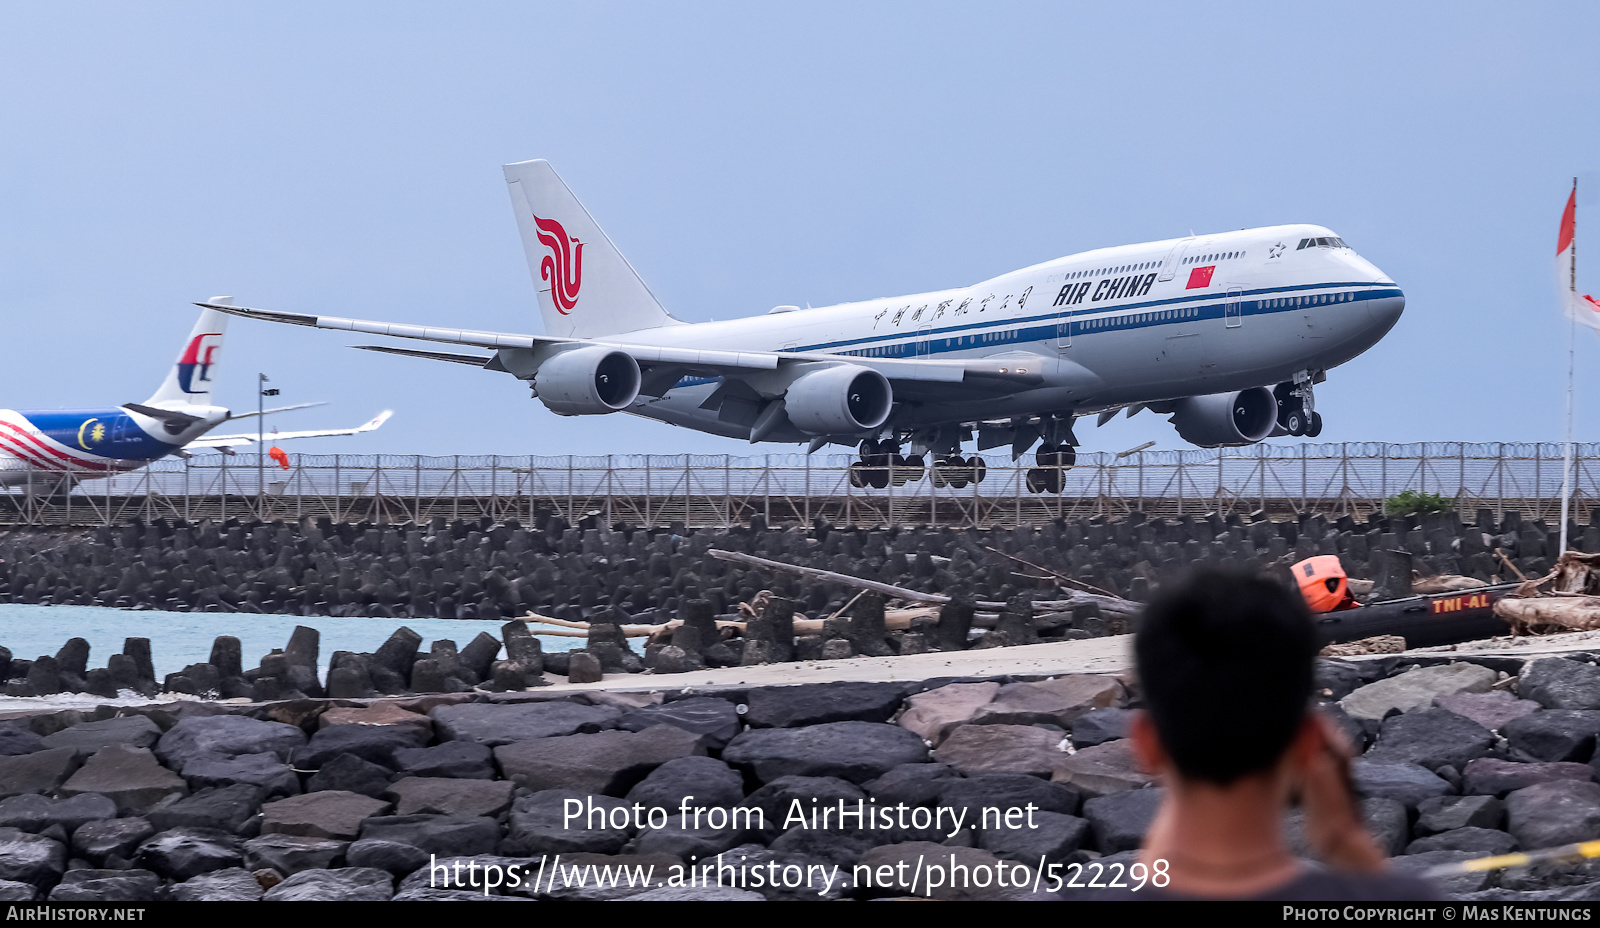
1386,310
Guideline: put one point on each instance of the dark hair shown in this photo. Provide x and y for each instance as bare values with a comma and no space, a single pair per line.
1225,662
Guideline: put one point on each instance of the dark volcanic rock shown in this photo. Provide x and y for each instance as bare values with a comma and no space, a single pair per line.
450,796
1482,842
82,886
980,749
265,771
327,814
1119,821
352,884
1431,738
30,859
1447,813
1554,813
290,854
351,774
704,780
130,777
794,706
559,821
443,835
466,759
608,762
233,884
716,719
1553,735
34,813
39,772
225,808
221,736
1559,683
88,737
855,751
1410,784
120,837
182,853
1489,776
494,725
375,744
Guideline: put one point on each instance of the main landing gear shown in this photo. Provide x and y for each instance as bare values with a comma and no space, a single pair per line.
882,464
1050,476
1296,412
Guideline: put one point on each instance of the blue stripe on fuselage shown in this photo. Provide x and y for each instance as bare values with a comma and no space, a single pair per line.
1209,305
106,433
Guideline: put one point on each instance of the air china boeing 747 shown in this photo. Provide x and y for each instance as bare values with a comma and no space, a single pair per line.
1226,333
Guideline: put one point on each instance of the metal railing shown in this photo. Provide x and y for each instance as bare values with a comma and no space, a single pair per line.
715,490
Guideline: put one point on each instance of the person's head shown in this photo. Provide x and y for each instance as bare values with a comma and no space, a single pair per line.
1225,661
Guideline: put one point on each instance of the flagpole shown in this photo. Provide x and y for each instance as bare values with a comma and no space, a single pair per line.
1572,342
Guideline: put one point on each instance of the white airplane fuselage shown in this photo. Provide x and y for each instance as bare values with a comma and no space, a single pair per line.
1103,327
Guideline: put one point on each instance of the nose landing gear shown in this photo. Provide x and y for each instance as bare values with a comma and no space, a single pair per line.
1296,409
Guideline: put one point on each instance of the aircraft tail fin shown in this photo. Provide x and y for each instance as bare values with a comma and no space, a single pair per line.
189,381
586,287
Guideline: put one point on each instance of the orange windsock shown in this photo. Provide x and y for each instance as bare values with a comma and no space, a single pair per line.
281,456
1323,583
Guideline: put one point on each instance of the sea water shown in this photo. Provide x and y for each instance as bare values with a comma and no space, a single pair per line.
178,639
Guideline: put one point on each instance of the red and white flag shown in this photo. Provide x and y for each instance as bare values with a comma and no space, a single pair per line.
1584,309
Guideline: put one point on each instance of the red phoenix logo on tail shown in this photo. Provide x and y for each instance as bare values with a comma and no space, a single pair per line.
563,267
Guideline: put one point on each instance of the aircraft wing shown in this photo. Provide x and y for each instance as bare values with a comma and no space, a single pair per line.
229,441
1004,373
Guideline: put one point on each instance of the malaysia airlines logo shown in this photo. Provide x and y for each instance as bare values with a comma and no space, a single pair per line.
563,266
194,368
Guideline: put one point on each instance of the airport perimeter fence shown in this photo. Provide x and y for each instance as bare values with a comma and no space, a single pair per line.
715,490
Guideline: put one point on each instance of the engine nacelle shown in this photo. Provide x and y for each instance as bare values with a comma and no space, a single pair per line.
842,399
1226,419
588,381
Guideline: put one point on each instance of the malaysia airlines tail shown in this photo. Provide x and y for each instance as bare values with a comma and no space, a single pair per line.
189,381
587,289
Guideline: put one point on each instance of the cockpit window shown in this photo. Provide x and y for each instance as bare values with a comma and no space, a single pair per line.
1322,242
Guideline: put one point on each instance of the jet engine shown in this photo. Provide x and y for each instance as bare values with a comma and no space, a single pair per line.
841,399
1226,419
588,381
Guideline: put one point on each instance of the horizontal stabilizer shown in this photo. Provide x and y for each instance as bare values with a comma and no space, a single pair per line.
178,420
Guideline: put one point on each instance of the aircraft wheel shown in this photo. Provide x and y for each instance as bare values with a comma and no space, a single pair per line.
1315,428
1295,422
877,471
958,474
914,468
1055,480
1036,480
978,467
858,478
936,473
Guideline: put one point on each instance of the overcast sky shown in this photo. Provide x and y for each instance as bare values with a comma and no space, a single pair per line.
345,159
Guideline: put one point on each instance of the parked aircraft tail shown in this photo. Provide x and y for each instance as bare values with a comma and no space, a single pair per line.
189,381
586,287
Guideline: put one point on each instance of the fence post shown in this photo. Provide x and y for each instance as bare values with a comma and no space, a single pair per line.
766,495
808,489
1500,492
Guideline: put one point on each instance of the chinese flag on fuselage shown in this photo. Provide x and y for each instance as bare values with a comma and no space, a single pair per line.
1200,277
